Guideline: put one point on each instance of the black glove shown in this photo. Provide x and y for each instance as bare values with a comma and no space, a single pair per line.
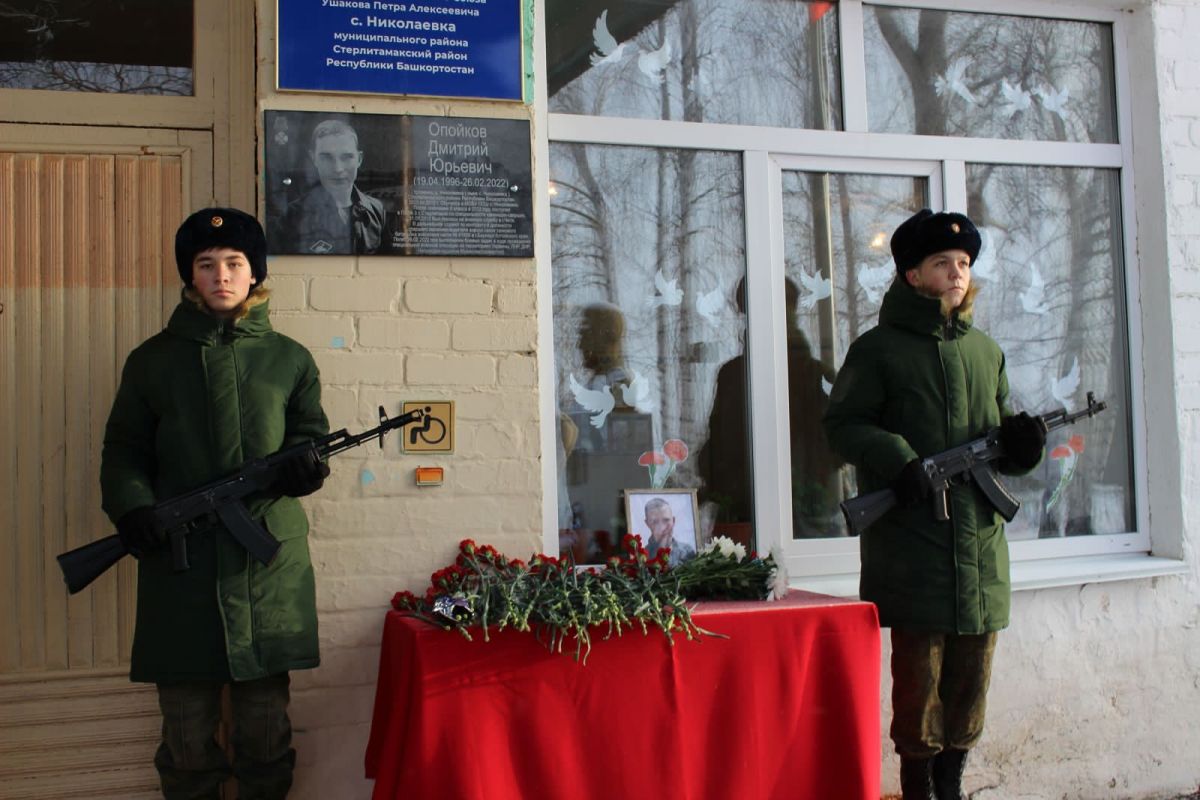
912,484
1023,439
138,532
302,474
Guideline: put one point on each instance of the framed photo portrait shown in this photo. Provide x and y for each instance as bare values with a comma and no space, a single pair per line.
664,518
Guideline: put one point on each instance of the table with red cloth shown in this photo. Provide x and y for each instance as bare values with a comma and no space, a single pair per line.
786,707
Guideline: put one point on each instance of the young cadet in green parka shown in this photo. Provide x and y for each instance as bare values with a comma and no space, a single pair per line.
922,381
218,386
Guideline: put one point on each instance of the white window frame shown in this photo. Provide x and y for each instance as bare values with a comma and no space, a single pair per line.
766,321
832,564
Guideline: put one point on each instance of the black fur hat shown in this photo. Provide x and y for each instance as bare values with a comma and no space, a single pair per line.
926,233
221,227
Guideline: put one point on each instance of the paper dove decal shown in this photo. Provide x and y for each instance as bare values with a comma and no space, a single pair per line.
637,393
709,303
1053,101
669,293
984,269
1033,299
1015,98
818,289
952,80
874,280
826,386
1063,389
655,62
605,42
599,402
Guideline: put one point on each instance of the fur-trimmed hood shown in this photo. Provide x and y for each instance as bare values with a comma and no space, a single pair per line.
905,307
258,295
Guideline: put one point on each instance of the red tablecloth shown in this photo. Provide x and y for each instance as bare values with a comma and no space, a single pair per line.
787,707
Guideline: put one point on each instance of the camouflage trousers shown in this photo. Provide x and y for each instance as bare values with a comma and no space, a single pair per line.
192,765
939,690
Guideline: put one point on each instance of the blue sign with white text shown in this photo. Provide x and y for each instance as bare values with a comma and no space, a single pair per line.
443,48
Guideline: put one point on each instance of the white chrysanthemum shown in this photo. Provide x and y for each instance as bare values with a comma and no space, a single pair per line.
726,546
739,551
722,543
777,581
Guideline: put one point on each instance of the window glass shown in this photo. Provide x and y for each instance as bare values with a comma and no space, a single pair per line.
648,251
1053,296
838,265
758,62
129,47
986,75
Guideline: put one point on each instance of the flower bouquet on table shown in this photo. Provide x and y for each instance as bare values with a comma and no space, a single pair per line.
552,598
557,601
722,570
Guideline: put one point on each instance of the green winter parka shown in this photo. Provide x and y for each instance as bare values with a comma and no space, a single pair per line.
915,385
195,402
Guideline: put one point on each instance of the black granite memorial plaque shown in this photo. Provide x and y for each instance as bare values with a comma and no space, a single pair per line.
374,184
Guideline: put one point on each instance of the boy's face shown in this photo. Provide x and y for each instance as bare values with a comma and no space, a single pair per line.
337,159
945,275
223,278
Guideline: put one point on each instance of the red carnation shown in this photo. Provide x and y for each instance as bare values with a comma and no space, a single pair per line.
402,601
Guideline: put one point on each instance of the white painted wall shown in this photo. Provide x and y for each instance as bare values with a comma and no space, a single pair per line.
1096,692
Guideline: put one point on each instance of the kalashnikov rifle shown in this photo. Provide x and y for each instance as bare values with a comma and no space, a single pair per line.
222,498
975,461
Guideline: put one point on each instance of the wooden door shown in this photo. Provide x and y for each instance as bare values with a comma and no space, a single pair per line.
87,271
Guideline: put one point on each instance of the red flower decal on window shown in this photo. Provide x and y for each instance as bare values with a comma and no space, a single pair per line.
652,458
676,450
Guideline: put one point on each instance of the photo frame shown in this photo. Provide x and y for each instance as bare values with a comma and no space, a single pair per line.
685,510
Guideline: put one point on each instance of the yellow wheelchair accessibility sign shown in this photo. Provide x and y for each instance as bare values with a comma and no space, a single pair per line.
435,432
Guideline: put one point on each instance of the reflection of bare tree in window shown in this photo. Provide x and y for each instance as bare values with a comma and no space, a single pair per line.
747,63
919,59
986,75
1060,226
625,220
70,45
1055,299
109,78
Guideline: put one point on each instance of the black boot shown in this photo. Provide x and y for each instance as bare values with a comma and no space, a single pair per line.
947,771
915,779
